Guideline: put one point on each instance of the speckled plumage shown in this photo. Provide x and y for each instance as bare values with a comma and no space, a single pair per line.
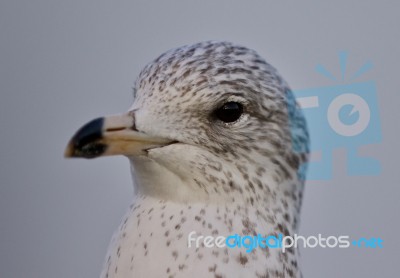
219,179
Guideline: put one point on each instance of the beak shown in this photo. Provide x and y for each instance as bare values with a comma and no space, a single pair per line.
112,135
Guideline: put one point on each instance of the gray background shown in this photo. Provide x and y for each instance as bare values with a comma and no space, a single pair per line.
65,62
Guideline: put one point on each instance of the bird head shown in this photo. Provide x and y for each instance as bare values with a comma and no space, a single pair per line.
203,115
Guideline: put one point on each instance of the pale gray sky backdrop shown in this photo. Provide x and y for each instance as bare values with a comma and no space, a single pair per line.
63,63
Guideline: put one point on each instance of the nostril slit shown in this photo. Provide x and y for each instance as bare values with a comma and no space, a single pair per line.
115,129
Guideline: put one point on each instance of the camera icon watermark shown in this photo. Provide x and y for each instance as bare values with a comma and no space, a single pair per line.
341,116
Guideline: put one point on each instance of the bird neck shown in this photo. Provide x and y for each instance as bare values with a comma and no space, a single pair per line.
228,185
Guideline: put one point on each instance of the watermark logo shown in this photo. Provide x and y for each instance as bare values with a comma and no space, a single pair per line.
249,243
341,116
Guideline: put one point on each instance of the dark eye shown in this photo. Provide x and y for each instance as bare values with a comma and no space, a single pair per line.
229,112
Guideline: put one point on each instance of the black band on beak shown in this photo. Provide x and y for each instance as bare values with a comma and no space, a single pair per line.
85,143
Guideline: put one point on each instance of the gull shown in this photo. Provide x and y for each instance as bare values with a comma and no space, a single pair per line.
217,147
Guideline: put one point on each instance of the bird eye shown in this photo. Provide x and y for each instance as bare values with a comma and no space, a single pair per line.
229,112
